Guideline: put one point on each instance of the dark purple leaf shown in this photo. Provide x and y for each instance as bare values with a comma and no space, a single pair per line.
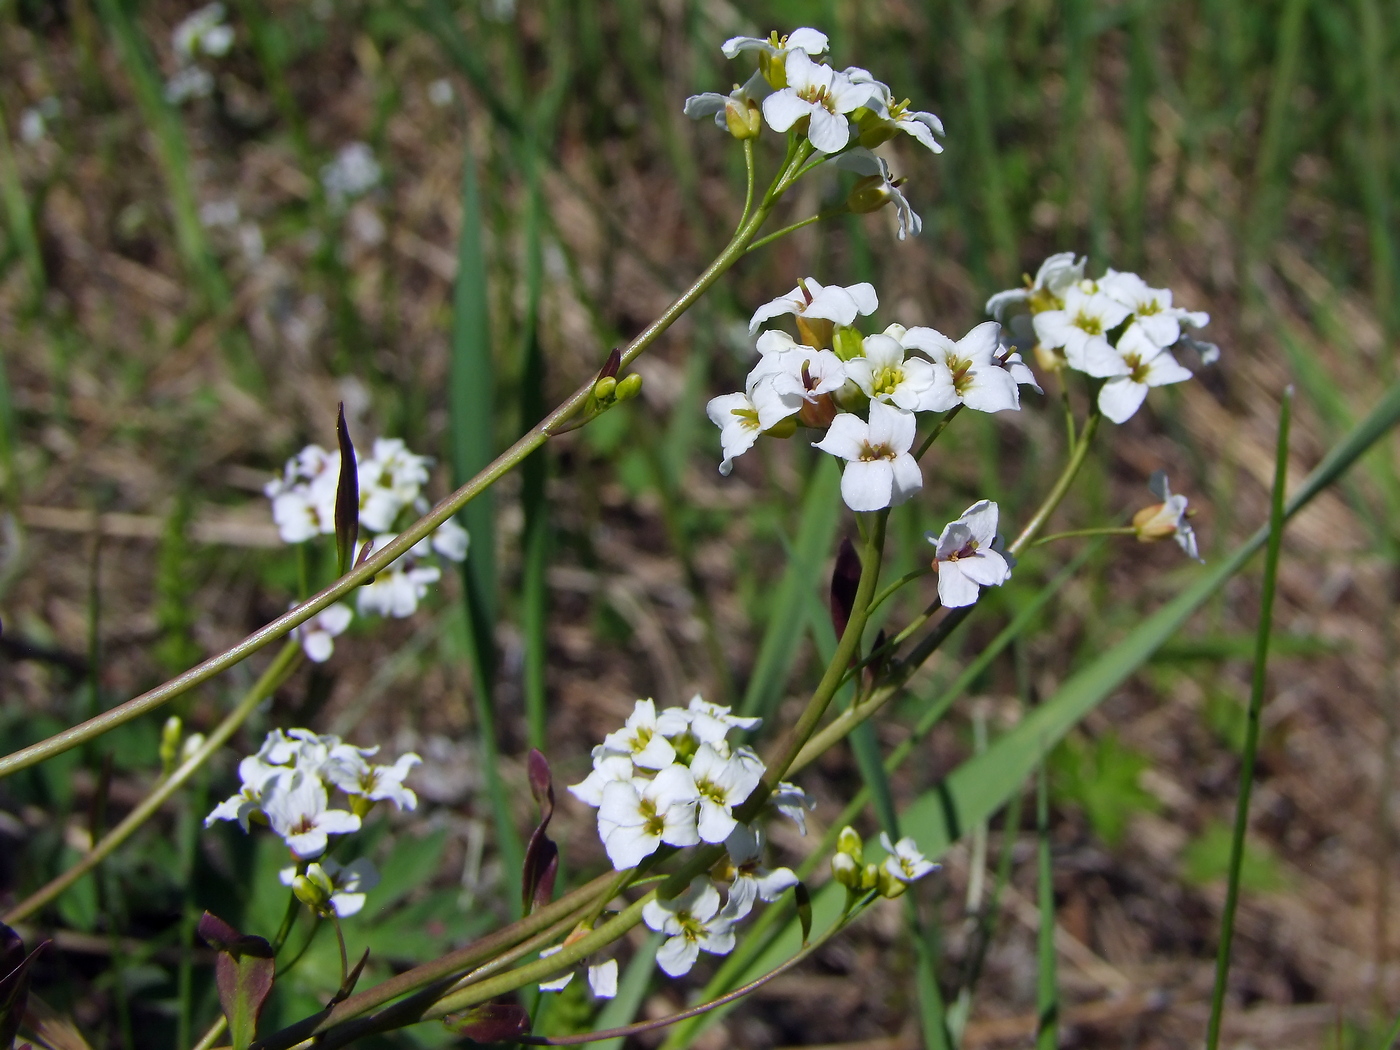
347,496
14,985
541,854
613,363
845,580
541,783
804,909
243,973
490,1022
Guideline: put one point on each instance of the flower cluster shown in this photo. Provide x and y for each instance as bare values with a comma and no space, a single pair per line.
1115,328
904,864
288,783
673,777
203,33
864,391
391,483
839,112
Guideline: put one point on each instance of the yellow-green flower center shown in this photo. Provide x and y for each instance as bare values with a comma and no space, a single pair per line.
1092,325
887,380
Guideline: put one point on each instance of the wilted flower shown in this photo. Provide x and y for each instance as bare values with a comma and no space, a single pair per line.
877,188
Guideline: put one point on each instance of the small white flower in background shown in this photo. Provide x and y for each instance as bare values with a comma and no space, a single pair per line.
966,557
636,816
883,373
203,32
353,173
349,883
219,213
398,589
257,778
1151,307
811,41
905,862
1145,365
303,499
694,921
792,802
745,848
821,94
812,301
451,540
878,188
713,104
299,810
34,121
1081,328
608,767
440,92
879,471
318,634
708,723
1055,277
190,82
390,479
721,783
602,977
1166,519
641,738
347,769
969,370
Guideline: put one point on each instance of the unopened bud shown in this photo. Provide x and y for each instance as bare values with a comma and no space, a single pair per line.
849,843
889,886
847,343
869,194
314,889
870,876
628,387
846,871
192,743
743,118
603,389
1155,523
170,742
1049,359
784,428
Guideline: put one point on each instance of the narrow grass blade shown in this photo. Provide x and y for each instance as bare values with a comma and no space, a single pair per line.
19,219
1047,1000
172,151
471,395
631,992
1269,168
783,634
1389,1039
1256,704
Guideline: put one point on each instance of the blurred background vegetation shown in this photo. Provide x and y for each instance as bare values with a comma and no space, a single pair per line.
187,289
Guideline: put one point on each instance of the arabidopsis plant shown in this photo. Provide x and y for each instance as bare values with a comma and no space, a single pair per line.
966,558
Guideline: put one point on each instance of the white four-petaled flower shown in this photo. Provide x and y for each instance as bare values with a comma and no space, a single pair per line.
966,557
905,862
822,95
300,812
1145,365
879,471
968,370
813,301
885,374
1081,327
637,815
694,921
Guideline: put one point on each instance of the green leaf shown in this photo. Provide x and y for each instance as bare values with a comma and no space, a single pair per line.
1207,859
1101,777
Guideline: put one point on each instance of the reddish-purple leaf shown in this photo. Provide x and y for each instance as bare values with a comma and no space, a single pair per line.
490,1022
243,973
541,783
14,984
541,854
845,580
613,363
347,496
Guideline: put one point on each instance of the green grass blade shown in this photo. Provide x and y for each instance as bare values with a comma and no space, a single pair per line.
783,635
19,218
979,787
1047,1000
470,398
631,992
172,151
1389,1039
1256,704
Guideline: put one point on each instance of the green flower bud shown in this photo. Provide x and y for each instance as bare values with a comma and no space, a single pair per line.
170,735
868,194
849,843
743,118
873,128
847,343
628,387
846,871
870,877
604,388
889,886
314,889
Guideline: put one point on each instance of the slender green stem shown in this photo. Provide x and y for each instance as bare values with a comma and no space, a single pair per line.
1388,1040
209,1038
1069,411
777,234
344,955
890,590
1048,995
277,672
1251,739
424,526
289,917
1104,530
749,182
938,429
1061,487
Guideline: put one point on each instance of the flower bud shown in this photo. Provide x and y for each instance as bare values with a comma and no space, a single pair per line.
870,876
192,743
314,889
849,844
170,742
628,387
847,343
743,118
784,428
1050,360
1154,523
889,886
604,388
846,871
869,194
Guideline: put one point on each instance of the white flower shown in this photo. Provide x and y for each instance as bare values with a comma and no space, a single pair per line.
885,374
708,723
877,187
303,499
745,847
1081,327
202,32
298,811
390,480
602,977
608,767
351,883
1054,278
721,783
347,769
694,921
820,93
190,82
792,802
810,41
451,540
1152,307
768,400
969,368
879,471
636,816
890,118
640,738
1167,518
353,173
1145,365
966,558
398,589
318,634
258,779
712,103
905,863
796,369
810,300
